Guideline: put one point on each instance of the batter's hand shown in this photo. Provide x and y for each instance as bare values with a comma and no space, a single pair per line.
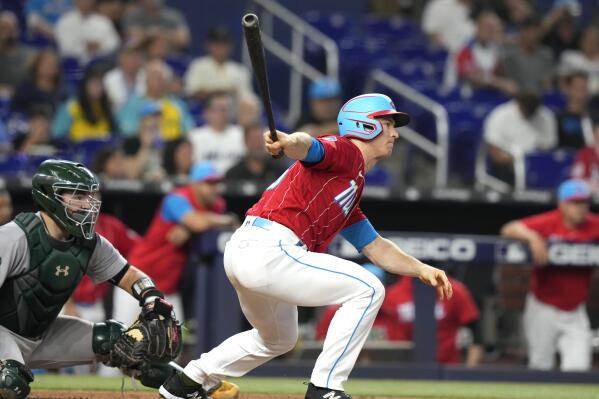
436,278
274,148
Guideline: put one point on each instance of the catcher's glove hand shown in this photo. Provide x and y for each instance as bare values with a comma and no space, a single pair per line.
154,337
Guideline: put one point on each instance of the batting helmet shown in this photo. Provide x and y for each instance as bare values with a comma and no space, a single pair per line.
78,213
358,117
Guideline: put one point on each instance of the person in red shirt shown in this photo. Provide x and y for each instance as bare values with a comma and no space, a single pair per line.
555,318
395,320
275,260
162,252
586,164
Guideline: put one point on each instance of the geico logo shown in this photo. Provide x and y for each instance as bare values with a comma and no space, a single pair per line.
458,249
574,254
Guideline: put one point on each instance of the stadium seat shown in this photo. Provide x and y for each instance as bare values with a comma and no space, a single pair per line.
545,170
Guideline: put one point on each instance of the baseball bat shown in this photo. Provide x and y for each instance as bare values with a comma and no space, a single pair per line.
253,39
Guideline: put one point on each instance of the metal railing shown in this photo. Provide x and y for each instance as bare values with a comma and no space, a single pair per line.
439,150
268,10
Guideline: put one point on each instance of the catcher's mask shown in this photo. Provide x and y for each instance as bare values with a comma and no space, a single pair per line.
69,193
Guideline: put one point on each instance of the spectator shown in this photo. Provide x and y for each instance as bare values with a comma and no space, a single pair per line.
42,16
177,159
162,252
5,139
325,101
143,151
555,317
151,16
574,126
219,140
14,57
5,206
586,59
109,163
249,110
528,63
88,115
479,63
37,139
586,164
127,79
511,12
157,46
216,72
451,315
114,10
515,128
43,88
176,120
84,34
448,23
256,165
560,27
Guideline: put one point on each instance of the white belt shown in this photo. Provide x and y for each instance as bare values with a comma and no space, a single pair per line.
286,233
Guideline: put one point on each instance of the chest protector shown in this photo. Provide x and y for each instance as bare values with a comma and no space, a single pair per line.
30,302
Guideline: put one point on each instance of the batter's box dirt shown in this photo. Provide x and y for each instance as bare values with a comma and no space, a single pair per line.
56,394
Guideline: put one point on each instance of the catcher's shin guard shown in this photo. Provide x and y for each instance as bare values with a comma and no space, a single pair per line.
14,380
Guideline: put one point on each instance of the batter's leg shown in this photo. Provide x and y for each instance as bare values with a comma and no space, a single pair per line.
275,332
68,342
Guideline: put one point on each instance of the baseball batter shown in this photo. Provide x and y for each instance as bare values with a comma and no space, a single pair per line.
43,256
275,260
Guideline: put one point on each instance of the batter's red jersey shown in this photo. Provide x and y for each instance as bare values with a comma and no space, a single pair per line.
450,314
160,259
316,201
562,287
123,239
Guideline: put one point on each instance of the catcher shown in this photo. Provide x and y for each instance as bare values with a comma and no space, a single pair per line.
43,256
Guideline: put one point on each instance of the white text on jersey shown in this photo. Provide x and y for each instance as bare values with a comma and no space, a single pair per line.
347,197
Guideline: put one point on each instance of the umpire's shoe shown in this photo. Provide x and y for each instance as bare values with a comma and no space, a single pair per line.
315,392
180,386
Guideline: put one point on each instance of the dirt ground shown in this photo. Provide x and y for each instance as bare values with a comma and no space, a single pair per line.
55,394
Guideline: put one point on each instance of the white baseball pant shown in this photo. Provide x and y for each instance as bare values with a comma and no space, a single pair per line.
273,273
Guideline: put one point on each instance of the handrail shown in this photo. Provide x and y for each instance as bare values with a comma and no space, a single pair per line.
300,30
440,149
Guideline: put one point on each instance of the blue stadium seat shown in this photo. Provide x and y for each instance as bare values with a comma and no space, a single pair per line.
72,71
85,151
334,25
546,170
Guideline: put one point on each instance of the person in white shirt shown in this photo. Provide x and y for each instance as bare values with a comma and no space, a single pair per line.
448,23
586,59
218,140
127,79
215,71
84,34
518,127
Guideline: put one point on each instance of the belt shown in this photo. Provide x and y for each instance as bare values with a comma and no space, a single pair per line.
270,225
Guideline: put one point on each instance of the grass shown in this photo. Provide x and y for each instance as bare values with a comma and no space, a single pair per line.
391,388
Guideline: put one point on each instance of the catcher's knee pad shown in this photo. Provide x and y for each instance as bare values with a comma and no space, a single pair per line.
155,374
105,334
14,379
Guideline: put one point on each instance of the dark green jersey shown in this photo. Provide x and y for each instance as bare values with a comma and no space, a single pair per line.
38,273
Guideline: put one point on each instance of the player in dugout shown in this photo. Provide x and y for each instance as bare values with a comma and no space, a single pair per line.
555,317
275,260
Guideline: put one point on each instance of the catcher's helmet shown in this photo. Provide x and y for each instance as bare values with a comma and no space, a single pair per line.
76,213
358,117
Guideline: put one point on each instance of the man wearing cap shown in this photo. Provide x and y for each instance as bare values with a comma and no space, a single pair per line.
554,316
162,252
216,71
324,95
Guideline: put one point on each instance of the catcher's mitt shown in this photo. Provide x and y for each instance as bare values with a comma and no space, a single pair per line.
154,337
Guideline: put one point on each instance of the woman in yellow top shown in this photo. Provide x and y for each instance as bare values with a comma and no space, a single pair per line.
88,115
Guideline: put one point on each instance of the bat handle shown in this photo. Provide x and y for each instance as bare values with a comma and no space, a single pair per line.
274,137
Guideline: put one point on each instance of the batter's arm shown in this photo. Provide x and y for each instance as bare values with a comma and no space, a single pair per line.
294,145
384,253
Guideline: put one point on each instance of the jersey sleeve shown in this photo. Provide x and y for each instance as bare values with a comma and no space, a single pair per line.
339,155
105,261
14,251
125,238
358,230
538,223
175,207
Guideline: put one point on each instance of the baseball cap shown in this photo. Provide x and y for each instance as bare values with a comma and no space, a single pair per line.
150,108
204,171
573,190
324,88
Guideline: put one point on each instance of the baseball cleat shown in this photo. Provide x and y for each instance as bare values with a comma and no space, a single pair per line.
225,390
180,386
315,392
